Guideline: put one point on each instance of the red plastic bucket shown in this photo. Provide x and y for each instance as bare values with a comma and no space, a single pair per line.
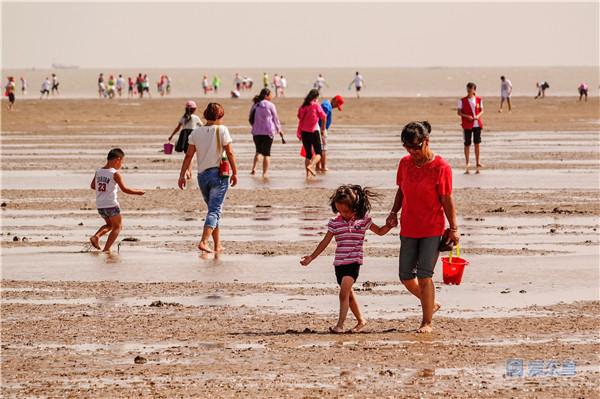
453,268
168,148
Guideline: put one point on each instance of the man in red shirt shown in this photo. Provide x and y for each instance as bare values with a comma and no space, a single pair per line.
470,109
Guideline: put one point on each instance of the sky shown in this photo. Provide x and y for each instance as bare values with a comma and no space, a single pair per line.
299,35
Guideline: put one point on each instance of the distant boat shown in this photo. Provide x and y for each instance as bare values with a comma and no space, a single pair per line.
64,66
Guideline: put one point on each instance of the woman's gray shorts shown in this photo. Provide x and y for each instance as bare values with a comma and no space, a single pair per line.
418,257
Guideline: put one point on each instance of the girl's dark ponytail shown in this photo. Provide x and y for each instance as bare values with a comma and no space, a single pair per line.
355,197
312,95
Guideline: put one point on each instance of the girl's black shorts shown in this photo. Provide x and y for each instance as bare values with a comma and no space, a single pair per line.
351,270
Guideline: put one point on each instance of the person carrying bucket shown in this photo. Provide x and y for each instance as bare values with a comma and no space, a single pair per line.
424,194
188,122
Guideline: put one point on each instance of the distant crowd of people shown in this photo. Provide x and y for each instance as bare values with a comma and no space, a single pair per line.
140,87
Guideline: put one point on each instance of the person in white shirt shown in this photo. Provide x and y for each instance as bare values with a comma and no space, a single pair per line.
320,83
358,82
104,183
283,85
120,84
237,82
213,146
505,92
188,122
541,86
45,88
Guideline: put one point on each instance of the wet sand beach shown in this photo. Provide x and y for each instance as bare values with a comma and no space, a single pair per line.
157,319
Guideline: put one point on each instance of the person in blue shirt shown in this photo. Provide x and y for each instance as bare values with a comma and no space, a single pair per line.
327,106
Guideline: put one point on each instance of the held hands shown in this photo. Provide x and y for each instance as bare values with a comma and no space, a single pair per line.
305,261
392,220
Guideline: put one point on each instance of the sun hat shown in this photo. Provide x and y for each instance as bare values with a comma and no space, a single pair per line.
191,104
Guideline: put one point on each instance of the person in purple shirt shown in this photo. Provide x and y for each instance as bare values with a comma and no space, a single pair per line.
265,123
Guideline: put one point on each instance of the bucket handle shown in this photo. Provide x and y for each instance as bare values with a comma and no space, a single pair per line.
457,247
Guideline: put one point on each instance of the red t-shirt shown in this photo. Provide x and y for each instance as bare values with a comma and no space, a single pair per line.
422,213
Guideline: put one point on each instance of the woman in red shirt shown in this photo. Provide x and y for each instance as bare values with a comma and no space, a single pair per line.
425,196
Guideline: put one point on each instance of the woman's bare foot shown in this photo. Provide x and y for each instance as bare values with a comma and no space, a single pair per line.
436,307
467,171
336,330
478,171
310,171
265,175
253,172
480,165
425,329
359,326
203,246
219,248
95,241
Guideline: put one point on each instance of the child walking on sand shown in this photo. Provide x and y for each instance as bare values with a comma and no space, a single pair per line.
105,183
352,205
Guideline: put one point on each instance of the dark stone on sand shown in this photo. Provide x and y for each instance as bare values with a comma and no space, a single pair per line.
130,239
80,224
522,292
161,304
4,205
15,238
139,360
370,284
498,210
505,291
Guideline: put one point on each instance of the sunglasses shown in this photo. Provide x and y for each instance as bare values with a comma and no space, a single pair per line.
413,146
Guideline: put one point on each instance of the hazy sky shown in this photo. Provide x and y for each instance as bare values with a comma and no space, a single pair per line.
217,35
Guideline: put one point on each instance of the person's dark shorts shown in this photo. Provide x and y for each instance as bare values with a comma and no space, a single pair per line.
310,141
109,212
472,135
45,92
183,141
263,144
358,88
11,97
418,257
351,270
55,87
583,92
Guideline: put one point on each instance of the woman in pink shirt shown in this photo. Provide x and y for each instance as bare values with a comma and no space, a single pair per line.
309,115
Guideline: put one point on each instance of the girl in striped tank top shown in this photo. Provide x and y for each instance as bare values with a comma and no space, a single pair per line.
352,204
